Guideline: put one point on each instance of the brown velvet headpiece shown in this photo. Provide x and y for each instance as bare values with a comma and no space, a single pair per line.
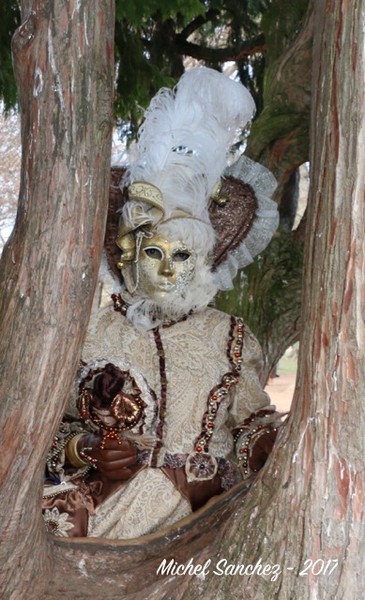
231,212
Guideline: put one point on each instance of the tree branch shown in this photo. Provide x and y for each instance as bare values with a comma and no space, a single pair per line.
252,46
198,22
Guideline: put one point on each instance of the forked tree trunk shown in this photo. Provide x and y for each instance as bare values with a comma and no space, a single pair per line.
267,295
308,503
63,55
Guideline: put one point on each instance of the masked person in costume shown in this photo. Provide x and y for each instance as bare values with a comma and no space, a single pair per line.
170,408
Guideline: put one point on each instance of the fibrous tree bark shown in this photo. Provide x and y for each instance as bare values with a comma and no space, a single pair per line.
63,56
280,135
267,295
303,518
306,511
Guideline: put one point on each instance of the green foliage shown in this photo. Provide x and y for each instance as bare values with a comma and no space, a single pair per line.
151,42
137,11
138,75
9,21
281,24
268,295
152,39
275,275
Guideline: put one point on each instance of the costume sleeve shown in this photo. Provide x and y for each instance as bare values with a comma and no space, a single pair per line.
59,475
58,471
253,420
249,395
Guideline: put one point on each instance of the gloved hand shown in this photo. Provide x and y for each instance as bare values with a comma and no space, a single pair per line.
114,461
261,450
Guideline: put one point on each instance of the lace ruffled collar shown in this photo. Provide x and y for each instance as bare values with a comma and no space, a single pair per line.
122,305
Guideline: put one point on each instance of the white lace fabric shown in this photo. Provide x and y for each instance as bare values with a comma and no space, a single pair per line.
195,355
196,360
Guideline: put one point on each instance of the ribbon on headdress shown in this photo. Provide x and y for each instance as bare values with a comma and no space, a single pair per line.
149,214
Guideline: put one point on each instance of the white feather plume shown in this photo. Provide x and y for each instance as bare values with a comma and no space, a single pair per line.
187,132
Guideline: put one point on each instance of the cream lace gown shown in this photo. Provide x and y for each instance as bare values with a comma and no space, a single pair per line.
196,360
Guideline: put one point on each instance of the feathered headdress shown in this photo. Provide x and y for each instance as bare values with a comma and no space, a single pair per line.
179,170
183,141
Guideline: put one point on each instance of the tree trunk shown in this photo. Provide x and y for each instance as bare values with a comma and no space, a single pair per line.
63,55
306,510
267,295
307,505
279,136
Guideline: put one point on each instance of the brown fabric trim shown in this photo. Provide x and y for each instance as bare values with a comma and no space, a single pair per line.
70,508
218,392
233,219
163,396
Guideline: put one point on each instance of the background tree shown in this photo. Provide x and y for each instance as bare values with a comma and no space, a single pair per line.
63,53
267,293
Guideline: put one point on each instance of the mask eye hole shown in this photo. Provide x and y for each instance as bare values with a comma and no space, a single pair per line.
153,252
181,256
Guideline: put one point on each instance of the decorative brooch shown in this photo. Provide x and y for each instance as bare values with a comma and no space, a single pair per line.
112,416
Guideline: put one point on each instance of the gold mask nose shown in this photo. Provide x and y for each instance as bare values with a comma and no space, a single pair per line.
166,267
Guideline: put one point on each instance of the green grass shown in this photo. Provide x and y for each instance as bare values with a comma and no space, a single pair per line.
287,365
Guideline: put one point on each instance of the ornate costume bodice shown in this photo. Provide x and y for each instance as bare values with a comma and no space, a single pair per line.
198,381
195,352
